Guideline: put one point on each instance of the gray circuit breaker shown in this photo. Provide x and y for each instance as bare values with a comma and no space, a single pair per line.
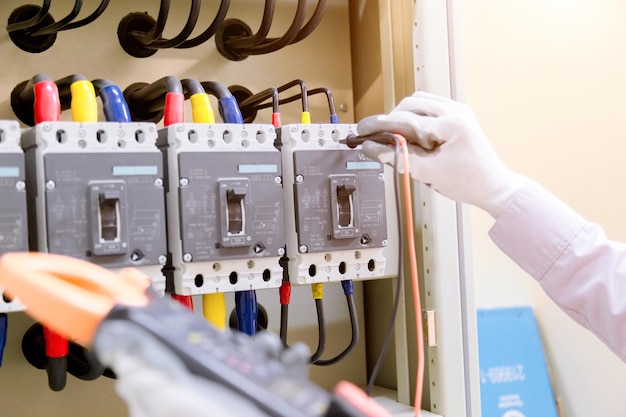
224,206
335,206
95,192
13,213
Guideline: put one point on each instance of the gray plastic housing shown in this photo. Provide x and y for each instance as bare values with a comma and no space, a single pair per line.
224,206
13,212
95,192
335,206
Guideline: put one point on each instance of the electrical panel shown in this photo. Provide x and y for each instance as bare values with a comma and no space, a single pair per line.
224,205
335,206
95,192
13,213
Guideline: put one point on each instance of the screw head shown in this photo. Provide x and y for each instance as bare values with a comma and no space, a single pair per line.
299,178
158,182
162,259
20,185
303,249
50,185
384,242
187,257
281,251
381,176
183,182
278,180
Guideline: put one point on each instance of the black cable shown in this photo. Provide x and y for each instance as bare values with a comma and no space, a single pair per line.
354,325
83,22
320,90
54,28
257,99
33,21
321,330
284,320
159,27
191,87
262,96
64,87
241,43
400,279
210,31
216,88
192,19
147,101
274,44
313,22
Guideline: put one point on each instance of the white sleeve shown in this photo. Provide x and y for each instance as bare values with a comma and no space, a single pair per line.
572,259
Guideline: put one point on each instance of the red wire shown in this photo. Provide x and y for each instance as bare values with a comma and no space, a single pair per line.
408,207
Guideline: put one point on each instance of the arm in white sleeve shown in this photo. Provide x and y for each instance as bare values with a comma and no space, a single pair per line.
572,259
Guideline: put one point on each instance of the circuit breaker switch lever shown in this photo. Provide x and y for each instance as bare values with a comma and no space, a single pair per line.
344,204
235,210
109,204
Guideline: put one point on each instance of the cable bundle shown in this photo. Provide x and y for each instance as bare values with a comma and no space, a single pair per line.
236,41
33,29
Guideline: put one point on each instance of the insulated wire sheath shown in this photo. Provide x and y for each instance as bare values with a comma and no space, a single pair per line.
54,28
417,309
354,325
96,14
321,329
261,34
284,319
313,22
259,105
401,143
159,27
274,44
210,31
192,19
33,21
262,96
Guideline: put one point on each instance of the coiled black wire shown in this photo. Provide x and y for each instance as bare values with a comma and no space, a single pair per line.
262,32
153,39
210,31
55,27
269,45
33,21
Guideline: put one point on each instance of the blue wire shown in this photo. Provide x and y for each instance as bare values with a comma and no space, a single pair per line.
229,110
4,324
247,310
114,104
246,306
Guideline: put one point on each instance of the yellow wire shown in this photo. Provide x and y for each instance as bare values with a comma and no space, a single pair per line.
214,309
84,105
201,108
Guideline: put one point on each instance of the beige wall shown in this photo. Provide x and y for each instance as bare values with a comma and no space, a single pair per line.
547,79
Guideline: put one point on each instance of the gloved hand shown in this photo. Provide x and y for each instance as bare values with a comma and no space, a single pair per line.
449,151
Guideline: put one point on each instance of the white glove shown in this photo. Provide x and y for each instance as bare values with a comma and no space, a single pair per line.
450,152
